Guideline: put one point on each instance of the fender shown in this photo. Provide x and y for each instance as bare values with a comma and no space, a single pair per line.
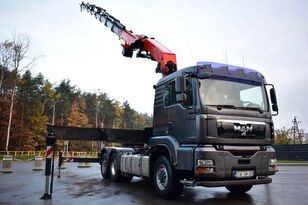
118,150
169,142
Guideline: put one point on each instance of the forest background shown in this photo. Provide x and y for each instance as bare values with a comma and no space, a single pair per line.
28,102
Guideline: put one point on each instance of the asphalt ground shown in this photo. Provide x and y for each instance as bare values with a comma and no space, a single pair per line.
85,185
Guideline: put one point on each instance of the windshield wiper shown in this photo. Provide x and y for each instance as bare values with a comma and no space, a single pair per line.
252,108
219,107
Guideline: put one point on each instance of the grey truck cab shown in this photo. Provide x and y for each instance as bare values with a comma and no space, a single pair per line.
215,121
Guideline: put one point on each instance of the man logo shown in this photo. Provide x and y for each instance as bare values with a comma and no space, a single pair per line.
243,129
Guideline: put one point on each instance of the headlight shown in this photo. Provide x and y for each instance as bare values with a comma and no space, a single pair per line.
273,162
205,162
272,166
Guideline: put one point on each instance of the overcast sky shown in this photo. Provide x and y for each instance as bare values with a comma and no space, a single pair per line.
271,35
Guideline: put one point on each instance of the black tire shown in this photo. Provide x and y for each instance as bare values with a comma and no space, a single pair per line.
105,171
239,189
114,168
115,171
165,182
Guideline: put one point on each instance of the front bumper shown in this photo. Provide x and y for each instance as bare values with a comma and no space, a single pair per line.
225,163
258,180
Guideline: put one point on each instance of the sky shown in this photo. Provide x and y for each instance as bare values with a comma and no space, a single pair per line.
269,36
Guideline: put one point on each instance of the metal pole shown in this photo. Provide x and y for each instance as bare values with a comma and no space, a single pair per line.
53,114
50,142
52,170
10,122
60,162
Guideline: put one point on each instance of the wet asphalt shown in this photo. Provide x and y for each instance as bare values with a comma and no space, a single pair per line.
85,186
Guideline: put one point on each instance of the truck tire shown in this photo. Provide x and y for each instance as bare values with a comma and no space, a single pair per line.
114,168
239,189
104,166
165,182
115,171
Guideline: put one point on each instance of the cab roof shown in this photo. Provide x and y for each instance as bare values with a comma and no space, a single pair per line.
218,70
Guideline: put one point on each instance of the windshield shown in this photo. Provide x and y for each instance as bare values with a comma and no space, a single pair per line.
232,94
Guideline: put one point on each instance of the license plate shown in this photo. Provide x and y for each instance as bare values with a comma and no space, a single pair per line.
243,174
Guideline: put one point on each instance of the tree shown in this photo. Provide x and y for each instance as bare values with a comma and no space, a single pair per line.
282,136
27,91
129,116
69,96
91,109
118,121
77,117
106,110
13,56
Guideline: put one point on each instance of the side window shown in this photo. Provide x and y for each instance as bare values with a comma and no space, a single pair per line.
169,95
189,93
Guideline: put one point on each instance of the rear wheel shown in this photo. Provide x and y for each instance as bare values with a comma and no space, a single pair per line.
114,168
239,189
165,182
104,166
115,171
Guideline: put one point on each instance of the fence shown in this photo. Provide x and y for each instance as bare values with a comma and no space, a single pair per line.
283,152
42,153
291,152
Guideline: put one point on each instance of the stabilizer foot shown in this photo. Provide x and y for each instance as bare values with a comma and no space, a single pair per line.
46,197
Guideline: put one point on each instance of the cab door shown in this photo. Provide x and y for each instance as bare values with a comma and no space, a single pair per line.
181,115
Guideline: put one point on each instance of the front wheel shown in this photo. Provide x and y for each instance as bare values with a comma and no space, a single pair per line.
239,189
165,182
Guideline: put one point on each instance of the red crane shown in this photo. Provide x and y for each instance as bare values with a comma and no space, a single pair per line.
146,47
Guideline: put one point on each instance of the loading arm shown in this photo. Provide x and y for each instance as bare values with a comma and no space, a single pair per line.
145,47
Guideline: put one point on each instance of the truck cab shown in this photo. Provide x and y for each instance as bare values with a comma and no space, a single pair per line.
215,121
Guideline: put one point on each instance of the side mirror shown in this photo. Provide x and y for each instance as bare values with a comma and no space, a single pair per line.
180,85
275,107
181,97
273,95
273,99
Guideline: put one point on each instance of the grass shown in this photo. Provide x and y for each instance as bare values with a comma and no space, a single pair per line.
24,157
292,161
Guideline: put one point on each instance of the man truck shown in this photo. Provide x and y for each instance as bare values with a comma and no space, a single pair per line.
212,125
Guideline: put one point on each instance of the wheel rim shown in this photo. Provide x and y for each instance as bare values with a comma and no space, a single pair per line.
113,168
162,177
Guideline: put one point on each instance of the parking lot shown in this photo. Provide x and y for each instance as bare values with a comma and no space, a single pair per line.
85,185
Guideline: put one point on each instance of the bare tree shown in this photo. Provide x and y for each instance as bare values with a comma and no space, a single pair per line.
13,57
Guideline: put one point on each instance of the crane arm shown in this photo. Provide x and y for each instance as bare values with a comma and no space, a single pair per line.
145,47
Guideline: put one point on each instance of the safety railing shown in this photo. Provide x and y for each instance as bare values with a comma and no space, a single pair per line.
42,153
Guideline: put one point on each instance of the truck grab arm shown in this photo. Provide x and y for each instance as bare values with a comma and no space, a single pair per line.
145,47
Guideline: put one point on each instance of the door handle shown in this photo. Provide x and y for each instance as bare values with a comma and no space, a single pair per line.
169,125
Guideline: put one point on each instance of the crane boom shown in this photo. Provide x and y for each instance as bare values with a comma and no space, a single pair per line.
145,47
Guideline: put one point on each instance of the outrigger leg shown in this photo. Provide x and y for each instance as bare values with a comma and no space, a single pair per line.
50,143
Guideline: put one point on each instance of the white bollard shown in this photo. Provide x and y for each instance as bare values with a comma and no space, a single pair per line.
84,164
7,164
38,163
